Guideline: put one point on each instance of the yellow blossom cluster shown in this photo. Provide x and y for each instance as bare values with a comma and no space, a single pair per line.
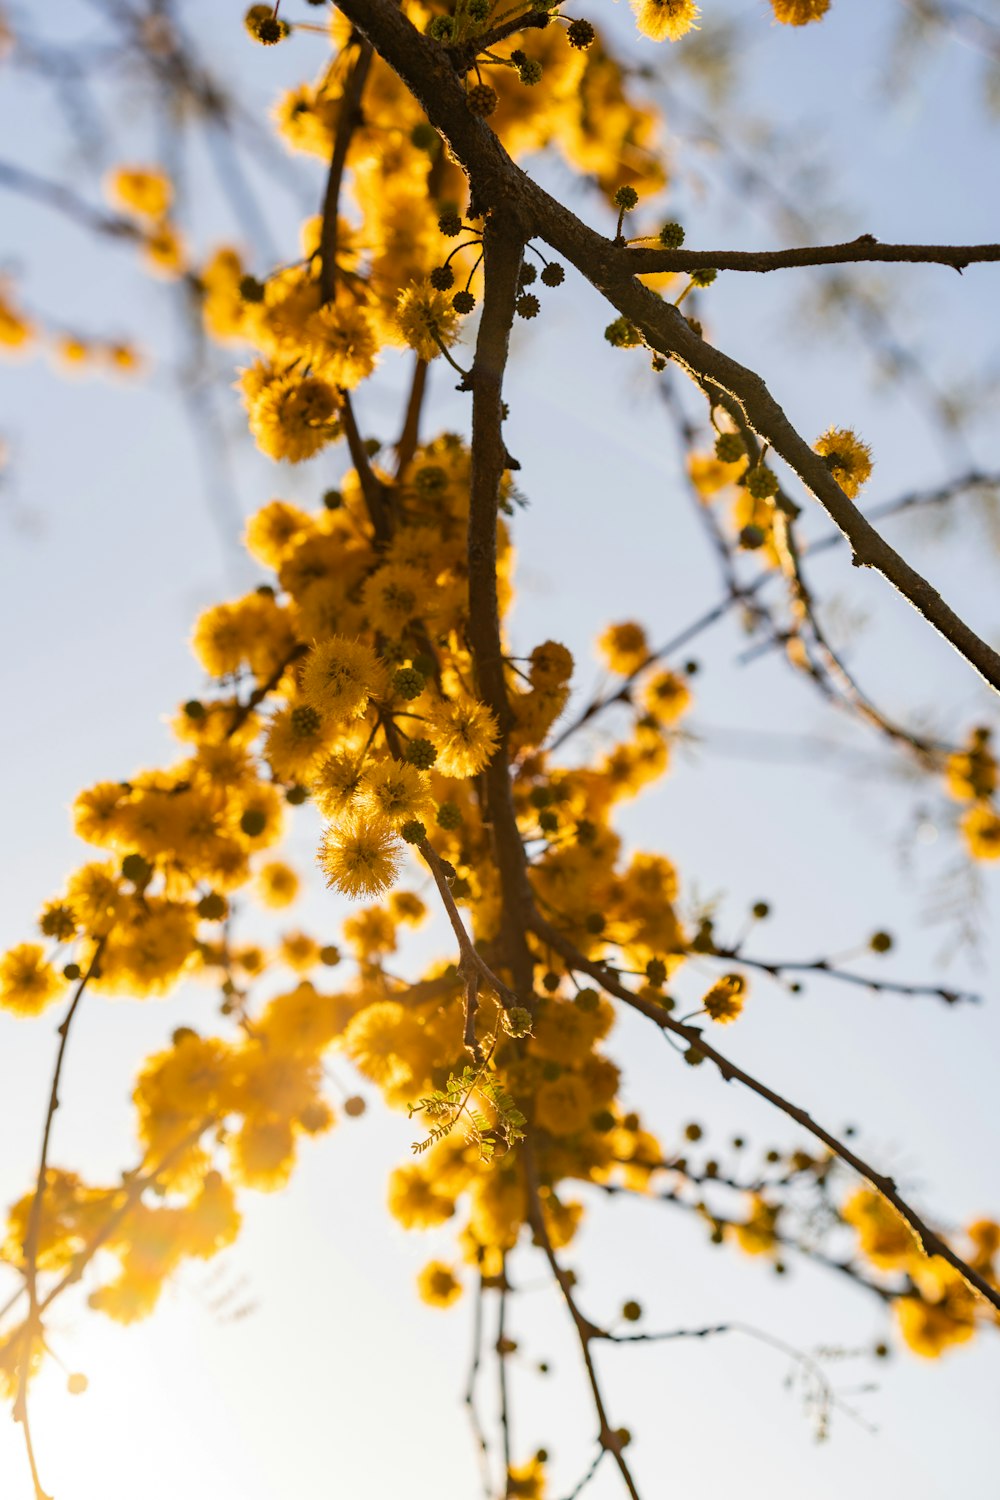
347,683
971,777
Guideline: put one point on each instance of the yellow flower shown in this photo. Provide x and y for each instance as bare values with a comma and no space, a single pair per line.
883,1236
377,1039
303,1019
299,951
660,19
406,906
666,696
341,343
847,457
438,1285
563,1107
624,647
981,830
396,791
94,895
16,331
724,1001
263,1153
291,416
27,983
942,1313
148,950
277,884
145,191
757,1235
465,733
270,533
340,676
414,1200
297,739
551,666
337,783
971,774
392,597
426,319
97,813
710,474
527,1481
211,1220
360,857
799,12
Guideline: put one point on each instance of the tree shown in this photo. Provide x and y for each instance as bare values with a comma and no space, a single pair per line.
371,677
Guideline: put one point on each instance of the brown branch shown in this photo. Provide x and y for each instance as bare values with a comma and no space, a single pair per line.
464,54
829,673
348,119
482,1448
930,1242
32,1234
504,1404
242,711
610,1440
824,966
372,488
498,183
503,245
409,438
865,249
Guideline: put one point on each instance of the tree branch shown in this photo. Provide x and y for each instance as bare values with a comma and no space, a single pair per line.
503,245
865,249
497,182
930,1242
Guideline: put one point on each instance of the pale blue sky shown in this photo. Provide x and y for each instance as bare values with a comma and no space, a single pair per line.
340,1382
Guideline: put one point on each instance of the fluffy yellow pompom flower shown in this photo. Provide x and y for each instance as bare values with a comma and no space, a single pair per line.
415,1202
666,696
527,1481
140,190
392,596
884,1237
277,884
16,331
27,983
262,1153
799,12
551,666
340,676
342,343
624,647
465,734
336,784
290,417
360,858
270,533
981,831
757,1235
438,1285
426,319
664,20
848,458
724,1000
396,791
